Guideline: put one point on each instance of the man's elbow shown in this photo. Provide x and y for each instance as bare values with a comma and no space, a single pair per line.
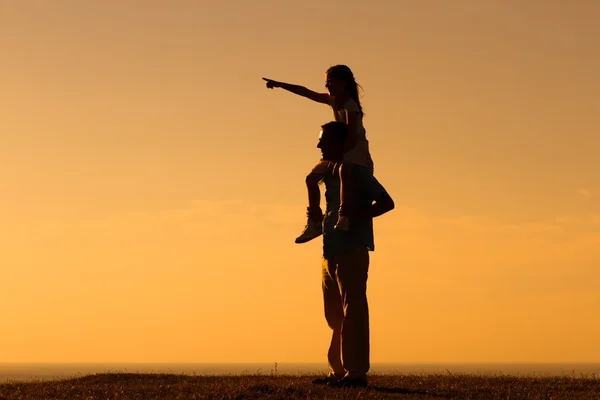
390,204
387,203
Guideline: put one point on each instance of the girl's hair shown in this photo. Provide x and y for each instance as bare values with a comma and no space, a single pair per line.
343,73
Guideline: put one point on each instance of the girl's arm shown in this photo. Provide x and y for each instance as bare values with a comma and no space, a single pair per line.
352,122
299,90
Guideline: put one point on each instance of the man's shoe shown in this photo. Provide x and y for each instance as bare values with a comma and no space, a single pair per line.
348,382
325,381
313,229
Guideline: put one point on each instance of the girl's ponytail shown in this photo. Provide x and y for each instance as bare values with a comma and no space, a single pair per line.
344,73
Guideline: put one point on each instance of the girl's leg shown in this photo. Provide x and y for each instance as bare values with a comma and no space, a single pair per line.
314,213
314,196
346,188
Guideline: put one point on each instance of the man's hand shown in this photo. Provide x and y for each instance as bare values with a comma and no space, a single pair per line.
271,83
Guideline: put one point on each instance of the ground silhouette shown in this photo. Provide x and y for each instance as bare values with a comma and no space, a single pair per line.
435,386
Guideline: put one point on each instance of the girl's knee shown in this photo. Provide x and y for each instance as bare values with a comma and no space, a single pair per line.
313,179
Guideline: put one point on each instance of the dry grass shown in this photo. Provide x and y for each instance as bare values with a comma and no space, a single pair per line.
422,387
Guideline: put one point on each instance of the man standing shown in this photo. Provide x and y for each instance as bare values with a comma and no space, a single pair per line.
346,263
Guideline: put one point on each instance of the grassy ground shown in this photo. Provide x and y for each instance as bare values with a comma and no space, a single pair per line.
422,387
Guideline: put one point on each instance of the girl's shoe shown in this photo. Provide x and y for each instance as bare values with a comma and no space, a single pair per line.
343,223
313,229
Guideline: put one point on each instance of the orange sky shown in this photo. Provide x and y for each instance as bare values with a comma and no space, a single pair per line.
152,187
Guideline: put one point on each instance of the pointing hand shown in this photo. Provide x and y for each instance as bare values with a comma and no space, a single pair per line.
271,83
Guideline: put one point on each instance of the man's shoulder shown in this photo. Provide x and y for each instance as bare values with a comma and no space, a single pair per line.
362,170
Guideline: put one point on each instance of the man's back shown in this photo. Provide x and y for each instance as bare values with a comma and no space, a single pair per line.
366,190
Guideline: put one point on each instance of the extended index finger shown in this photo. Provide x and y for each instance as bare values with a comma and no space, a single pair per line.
267,79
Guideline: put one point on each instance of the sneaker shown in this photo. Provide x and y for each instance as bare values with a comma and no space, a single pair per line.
348,382
343,223
325,381
312,230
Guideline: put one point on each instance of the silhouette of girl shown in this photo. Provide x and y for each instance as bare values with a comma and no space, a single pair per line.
343,99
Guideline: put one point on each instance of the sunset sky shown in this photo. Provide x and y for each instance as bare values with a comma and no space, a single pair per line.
152,187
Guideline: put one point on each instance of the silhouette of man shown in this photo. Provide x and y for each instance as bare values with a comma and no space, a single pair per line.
346,262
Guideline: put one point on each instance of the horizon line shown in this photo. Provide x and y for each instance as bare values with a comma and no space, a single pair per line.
301,362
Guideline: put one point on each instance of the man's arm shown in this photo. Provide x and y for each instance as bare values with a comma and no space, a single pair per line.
383,204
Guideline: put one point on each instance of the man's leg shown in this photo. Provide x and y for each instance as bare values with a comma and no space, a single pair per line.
352,273
334,314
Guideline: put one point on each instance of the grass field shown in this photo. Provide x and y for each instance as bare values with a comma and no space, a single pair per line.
423,387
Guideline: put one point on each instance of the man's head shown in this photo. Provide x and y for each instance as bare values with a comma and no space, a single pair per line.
331,141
